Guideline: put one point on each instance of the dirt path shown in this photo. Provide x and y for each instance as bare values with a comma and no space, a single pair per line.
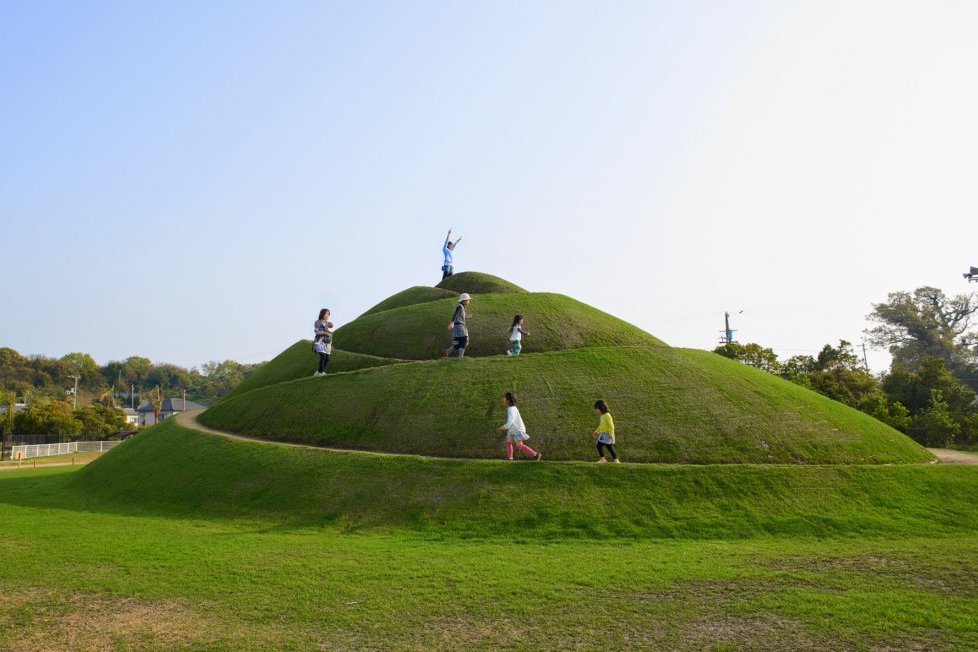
946,456
27,466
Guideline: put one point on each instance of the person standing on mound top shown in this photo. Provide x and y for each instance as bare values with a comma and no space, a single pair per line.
460,332
605,432
448,265
322,342
515,430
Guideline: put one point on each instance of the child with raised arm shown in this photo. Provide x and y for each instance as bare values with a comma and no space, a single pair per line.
605,432
516,334
448,265
515,430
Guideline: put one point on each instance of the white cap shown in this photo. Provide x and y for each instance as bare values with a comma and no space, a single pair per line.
464,297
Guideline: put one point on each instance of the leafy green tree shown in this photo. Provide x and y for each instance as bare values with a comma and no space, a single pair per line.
50,418
137,369
750,354
100,420
914,389
797,365
83,362
880,406
934,425
7,400
926,324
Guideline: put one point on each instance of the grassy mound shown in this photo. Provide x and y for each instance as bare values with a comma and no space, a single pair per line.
478,283
256,481
410,297
554,322
670,405
298,361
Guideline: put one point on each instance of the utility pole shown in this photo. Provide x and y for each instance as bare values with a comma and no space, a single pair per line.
132,397
865,359
74,393
727,334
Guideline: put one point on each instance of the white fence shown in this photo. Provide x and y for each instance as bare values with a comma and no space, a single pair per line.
65,448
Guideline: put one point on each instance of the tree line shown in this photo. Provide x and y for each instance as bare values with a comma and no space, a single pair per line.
929,392
47,385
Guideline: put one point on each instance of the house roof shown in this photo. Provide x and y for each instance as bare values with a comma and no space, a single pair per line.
180,405
171,405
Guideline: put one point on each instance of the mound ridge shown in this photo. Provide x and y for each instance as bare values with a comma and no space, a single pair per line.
410,297
390,391
478,283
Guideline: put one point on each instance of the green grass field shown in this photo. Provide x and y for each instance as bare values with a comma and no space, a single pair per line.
179,540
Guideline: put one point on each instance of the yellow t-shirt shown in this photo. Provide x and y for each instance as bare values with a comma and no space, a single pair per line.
607,424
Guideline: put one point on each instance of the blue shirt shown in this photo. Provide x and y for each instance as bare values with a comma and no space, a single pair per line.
448,253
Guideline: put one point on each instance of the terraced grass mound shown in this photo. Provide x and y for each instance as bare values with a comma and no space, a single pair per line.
298,361
412,296
554,321
263,482
478,283
670,405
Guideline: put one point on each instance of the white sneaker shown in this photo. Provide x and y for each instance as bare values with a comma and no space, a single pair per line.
509,353
317,375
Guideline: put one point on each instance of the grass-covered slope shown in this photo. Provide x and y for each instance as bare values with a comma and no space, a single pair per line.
669,405
554,322
252,480
478,283
410,297
298,361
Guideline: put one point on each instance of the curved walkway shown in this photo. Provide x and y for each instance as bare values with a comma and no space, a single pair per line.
188,419
946,456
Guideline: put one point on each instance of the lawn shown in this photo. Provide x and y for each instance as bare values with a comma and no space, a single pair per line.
178,540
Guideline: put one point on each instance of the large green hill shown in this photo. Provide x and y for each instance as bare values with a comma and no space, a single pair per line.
670,405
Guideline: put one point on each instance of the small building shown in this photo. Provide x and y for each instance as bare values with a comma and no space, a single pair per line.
170,407
132,416
17,408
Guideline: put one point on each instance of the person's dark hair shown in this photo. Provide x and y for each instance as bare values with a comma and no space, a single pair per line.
601,406
510,398
516,320
322,313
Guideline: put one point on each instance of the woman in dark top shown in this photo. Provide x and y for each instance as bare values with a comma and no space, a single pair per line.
460,332
322,342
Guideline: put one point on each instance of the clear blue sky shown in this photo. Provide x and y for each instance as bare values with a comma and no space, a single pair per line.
192,181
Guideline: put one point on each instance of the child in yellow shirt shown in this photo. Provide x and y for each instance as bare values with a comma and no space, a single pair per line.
605,432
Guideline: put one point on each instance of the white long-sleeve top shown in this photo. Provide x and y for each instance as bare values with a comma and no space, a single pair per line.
514,422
